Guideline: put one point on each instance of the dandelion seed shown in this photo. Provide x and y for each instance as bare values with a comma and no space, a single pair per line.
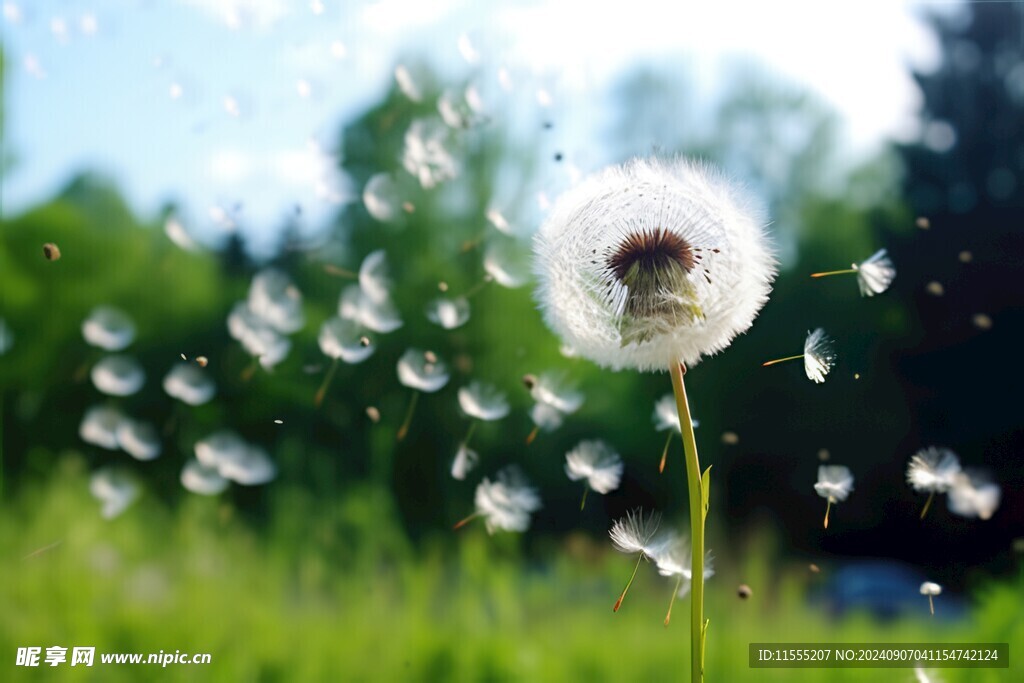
497,219
407,84
425,154
730,438
373,414
974,494
277,301
382,199
815,569
258,337
448,313
375,278
108,328
834,484
819,356
381,317
203,480
115,489
982,321
873,275
465,460
744,592
138,439
934,470
506,503
597,463
252,468
183,357
923,223
189,384
202,361
965,256
931,590
51,252
674,558
555,397
421,375
344,340
457,111
177,233
634,534
118,376
666,416
442,286
279,422
483,401
935,288
467,49
99,427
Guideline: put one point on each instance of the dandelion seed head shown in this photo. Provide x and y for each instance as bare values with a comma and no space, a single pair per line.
835,482
203,480
381,317
546,417
507,502
108,328
666,416
425,153
674,557
974,494
819,355
553,389
448,313
118,375
407,84
652,263
483,401
189,384
115,488
929,588
596,462
465,460
275,299
415,372
99,426
345,340
138,439
933,469
251,468
635,532
875,274
375,277
382,198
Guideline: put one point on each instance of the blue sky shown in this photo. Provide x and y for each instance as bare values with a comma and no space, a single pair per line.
218,102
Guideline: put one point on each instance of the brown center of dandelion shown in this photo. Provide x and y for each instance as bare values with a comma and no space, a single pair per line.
653,266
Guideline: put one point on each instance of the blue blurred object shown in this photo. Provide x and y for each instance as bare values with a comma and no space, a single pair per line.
886,590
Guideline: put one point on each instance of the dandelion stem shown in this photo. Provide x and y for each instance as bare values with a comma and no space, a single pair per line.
532,435
834,272
664,453
250,370
931,605
322,391
828,507
332,269
622,596
697,514
404,429
672,600
463,522
927,504
781,360
469,434
477,287
584,501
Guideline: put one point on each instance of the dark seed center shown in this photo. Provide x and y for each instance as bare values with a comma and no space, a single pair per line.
651,252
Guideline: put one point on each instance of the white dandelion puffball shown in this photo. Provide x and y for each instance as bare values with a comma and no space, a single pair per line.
99,427
507,502
635,533
425,154
448,313
973,494
819,355
597,462
416,372
275,299
118,376
483,401
345,340
652,263
834,482
6,337
219,447
257,336
465,460
356,305
251,467
546,417
556,391
187,383
138,439
108,328
115,489
875,274
929,588
933,469
206,481
374,276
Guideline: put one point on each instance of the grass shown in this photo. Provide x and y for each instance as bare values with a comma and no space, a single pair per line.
326,593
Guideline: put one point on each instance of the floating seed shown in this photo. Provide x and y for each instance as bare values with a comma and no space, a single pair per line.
923,223
373,414
203,361
529,381
51,251
730,438
744,591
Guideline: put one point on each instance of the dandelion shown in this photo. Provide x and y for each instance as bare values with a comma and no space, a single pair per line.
506,503
108,328
118,376
666,417
189,384
263,342
421,373
115,489
974,494
382,198
448,313
673,558
652,266
834,483
819,356
235,459
873,275
344,340
480,401
374,276
381,317
465,460
99,427
555,397
634,534
597,463
198,478
934,470
275,299
425,155
138,439
931,590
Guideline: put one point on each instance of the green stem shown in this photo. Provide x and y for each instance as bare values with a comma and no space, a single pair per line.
404,429
322,391
693,483
927,504
469,434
